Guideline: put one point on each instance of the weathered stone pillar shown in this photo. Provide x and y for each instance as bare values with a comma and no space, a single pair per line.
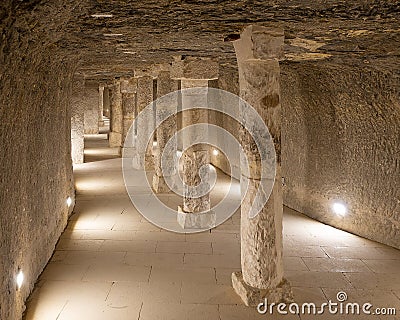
165,131
257,52
195,74
91,122
77,120
128,90
145,125
195,157
115,136
101,104
106,102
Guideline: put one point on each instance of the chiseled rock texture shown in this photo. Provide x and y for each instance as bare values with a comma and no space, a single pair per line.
44,44
35,158
341,142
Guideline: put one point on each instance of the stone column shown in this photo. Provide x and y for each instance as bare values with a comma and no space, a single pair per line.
128,90
195,74
77,120
144,125
195,157
165,131
115,136
101,103
91,110
106,102
257,52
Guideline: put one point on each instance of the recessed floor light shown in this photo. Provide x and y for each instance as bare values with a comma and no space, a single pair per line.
20,279
69,201
339,208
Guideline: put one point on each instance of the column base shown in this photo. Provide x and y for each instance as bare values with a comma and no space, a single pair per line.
114,139
159,184
196,220
253,296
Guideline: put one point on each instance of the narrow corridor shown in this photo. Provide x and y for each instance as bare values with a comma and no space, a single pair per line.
110,263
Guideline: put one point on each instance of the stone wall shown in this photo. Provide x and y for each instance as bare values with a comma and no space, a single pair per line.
341,143
35,159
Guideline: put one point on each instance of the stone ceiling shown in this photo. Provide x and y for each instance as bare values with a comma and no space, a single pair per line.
142,33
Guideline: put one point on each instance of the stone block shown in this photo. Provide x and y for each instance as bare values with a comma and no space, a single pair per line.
198,220
115,139
253,296
194,68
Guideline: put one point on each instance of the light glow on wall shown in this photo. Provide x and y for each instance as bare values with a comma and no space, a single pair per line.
339,208
215,152
69,201
20,279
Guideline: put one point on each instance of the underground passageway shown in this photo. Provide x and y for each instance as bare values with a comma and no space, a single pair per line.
111,263
199,160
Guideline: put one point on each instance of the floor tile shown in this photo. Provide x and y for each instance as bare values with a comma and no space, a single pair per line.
336,265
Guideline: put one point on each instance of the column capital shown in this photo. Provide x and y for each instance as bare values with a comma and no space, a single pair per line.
259,43
152,71
194,68
129,85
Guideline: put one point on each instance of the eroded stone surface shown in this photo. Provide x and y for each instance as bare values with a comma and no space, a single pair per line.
261,236
254,296
101,105
342,124
184,67
145,123
165,131
91,113
77,123
195,177
353,43
128,113
116,116
196,220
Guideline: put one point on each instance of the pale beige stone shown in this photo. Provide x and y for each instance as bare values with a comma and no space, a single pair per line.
165,131
77,120
101,105
145,124
115,136
194,68
261,236
196,220
251,296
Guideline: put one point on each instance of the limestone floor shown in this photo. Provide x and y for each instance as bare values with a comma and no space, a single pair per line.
110,263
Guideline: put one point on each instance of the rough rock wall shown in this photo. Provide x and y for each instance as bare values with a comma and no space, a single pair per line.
341,142
35,161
